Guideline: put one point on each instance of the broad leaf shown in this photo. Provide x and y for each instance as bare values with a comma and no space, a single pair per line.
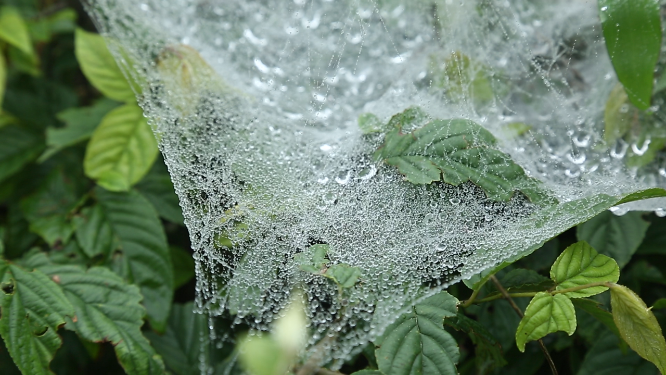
261,355
185,340
487,350
606,357
157,187
79,122
578,265
456,151
99,66
183,266
144,259
94,232
593,308
416,343
546,314
18,146
108,309
370,123
32,308
638,326
122,149
344,275
632,31
14,31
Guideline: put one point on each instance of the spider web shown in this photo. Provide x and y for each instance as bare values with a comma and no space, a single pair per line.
255,105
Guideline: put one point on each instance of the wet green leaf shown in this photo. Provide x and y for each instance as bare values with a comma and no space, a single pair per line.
370,123
313,259
344,275
546,314
580,264
462,78
618,114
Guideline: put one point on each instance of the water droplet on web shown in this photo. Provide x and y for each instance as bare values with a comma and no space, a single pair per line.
343,177
455,201
642,149
618,210
367,173
660,212
619,150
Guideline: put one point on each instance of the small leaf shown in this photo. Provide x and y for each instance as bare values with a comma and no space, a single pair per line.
94,232
617,115
578,265
313,259
14,31
659,304
616,236
416,343
632,31
456,151
18,147
101,69
144,259
344,275
108,310
80,123
638,326
606,357
546,314
370,123
122,149
514,129
594,309
261,355
32,308
462,78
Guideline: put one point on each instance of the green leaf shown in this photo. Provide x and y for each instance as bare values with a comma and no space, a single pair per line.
514,129
183,266
578,265
456,151
32,308
313,259
617,115
80,123
122,149
462,78
416,343
606,357
632,31
659,304
615,236
647,139
638,326
43,28
94,232
655,238
145,259
594,309
546,314
14,31
157,187
344,275
108,310
524,280
27,63
370,123
261,355
487,350
3,77
99,66
47,209
368,372
643,194
185,340
18,147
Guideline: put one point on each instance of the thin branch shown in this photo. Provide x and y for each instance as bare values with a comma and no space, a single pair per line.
506,295
532,294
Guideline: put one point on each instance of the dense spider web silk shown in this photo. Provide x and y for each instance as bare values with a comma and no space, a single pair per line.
264,149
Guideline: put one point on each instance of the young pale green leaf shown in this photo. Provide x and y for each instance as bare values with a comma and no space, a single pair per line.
632,30
638,325
370,123
578,265
144,258
615,236
185,340
183,266
80,123
94,232
108,310
157,187
606,357
99,66
14,31
122,149
18,147
617,115
416,343
313,259
32,307
261,355
546,314
455,151
344,275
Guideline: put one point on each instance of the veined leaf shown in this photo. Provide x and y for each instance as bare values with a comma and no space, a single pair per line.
157,187
606,357
370,123
18,147
99,66
94,232
487,350
632,30
144,259
578,265
456,151
344,275
107,309
122,149
32,308
417,343
14,31
80,123
546,314
638,326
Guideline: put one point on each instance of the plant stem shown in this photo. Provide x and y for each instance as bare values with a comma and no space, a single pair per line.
506,295
532,294
475,293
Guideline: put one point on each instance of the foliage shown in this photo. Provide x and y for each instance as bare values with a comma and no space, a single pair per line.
96,273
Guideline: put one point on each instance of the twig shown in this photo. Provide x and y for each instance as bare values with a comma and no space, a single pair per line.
532,294
506,295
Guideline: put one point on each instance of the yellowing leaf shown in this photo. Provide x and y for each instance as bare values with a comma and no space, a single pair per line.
580,264
546,314
122,149
638,326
